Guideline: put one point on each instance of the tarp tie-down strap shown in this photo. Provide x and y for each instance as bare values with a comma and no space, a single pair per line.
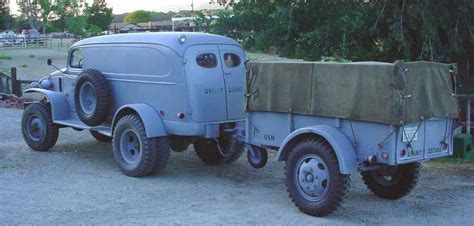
385,139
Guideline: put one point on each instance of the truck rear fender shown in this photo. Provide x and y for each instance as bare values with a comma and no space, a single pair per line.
57,101
152,121
341,145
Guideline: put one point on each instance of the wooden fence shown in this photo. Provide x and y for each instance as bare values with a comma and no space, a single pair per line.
11,84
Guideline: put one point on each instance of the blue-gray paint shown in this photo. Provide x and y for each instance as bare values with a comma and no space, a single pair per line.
57,100
341,145
167,39
348,138
157,70
151,119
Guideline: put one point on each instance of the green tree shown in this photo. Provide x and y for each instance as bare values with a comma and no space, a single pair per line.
30,10
46,9
381,30
5,17
99,15
139,16
76,25
66,9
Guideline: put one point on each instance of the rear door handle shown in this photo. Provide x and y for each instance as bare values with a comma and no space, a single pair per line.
227,73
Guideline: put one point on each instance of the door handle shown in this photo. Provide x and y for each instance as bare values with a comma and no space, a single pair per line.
227,73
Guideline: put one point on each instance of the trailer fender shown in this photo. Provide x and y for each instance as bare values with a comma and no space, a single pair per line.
341,145
152,121
57,101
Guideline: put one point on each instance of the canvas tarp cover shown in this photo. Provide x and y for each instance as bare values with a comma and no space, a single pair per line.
366,91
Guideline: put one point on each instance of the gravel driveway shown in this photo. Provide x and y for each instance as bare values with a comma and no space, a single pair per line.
78,182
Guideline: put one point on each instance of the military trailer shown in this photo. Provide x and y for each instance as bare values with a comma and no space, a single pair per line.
330,120
149,93
146,93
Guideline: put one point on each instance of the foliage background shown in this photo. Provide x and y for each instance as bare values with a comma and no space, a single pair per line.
381,30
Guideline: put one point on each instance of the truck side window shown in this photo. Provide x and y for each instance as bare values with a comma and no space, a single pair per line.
231,60
207,60
76,59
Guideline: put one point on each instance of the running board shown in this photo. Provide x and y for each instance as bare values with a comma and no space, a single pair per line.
104,129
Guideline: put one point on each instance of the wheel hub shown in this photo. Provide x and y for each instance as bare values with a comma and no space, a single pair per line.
130,147
312,177
36,128
88,98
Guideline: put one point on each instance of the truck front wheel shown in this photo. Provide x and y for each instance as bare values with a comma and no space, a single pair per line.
136,154
37,127
313,179
392,182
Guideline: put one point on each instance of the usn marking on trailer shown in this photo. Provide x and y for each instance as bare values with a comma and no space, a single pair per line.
269,137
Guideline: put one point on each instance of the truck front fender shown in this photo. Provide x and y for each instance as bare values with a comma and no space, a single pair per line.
152,121
57,100
341,145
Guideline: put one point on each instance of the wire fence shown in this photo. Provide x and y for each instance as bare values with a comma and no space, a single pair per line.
60,44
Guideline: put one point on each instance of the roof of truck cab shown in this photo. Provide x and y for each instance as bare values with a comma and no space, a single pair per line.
168,39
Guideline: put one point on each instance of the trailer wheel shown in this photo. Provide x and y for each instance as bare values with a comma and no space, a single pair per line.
258,157
37,127
392,182
92,97
100,137
135,153
313,179
208,151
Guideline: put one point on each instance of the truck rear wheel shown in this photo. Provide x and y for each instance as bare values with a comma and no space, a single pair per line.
92,97
313,179
37,127
208,151
392,182
136,154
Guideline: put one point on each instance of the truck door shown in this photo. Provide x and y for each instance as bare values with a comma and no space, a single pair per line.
232,58
205,83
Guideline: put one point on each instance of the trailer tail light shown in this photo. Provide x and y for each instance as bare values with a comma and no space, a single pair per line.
444,145
403,152
385,155
372,159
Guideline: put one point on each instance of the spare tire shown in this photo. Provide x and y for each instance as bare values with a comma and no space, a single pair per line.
92,97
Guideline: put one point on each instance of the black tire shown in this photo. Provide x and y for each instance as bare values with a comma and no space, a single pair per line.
152,153
39,138
98,114
237,154
403,179
260,159
335,186
208,151
101,137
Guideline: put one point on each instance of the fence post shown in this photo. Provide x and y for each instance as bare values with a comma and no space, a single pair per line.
15,84
1,84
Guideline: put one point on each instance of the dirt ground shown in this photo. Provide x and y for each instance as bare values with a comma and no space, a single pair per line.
78,182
